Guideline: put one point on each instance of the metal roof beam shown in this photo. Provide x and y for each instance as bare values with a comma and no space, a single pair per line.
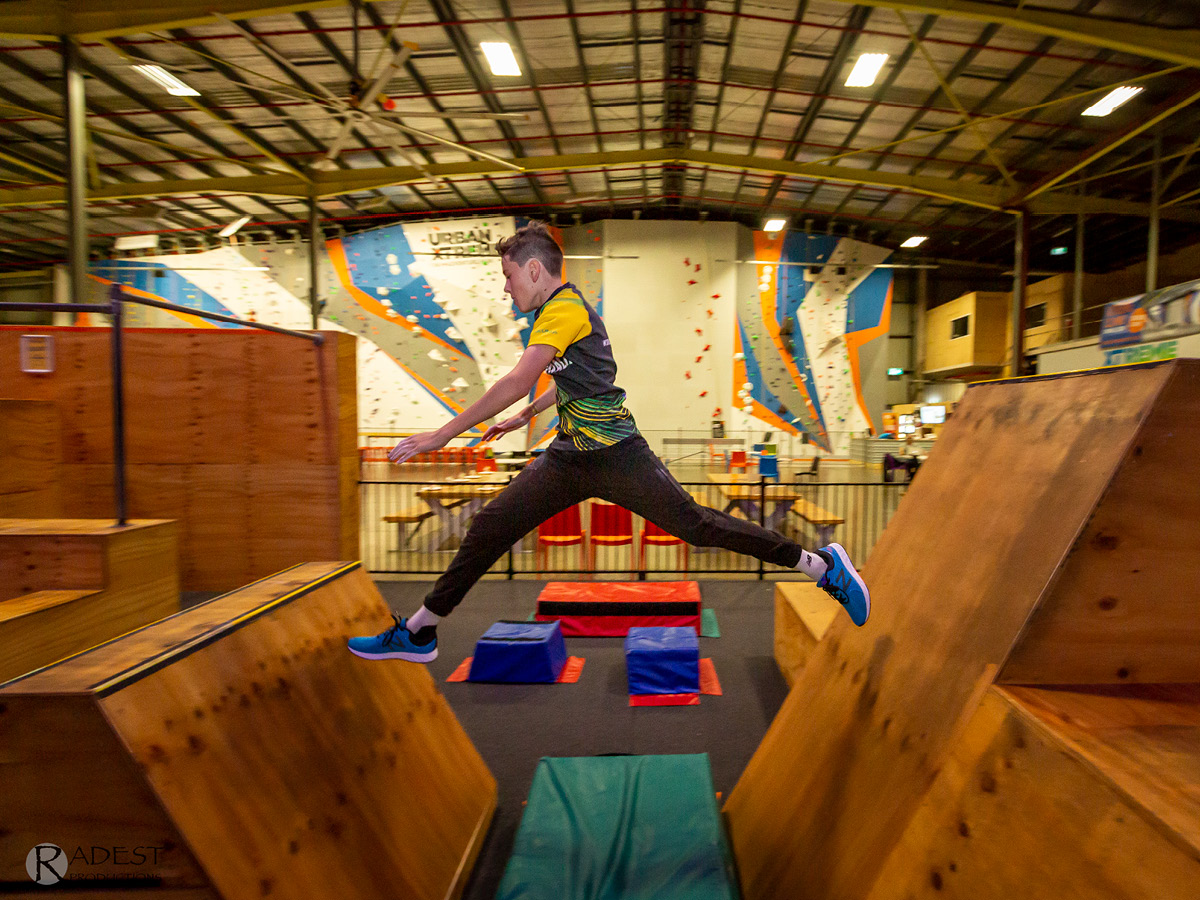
1177,45
343,181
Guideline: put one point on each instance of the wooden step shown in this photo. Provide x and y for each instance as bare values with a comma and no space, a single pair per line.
1051,793
69,584
1143,739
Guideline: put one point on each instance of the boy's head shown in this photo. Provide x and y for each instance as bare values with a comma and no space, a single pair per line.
532,265
533,241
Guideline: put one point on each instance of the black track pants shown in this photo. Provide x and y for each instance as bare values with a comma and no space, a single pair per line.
628,474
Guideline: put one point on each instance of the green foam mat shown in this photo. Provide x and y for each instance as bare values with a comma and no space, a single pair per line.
621,828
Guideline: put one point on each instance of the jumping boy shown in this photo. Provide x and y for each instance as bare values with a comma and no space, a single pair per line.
598,453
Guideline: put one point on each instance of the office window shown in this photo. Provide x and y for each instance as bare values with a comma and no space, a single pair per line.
1035,316
960,327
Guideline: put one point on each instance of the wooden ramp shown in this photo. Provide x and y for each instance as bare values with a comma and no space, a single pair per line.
250,751
1050,538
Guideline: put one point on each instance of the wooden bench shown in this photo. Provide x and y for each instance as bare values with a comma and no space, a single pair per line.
413,514
821,518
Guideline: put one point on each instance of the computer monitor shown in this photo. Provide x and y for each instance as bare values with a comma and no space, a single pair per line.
933,415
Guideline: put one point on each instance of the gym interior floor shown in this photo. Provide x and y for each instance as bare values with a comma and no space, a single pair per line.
513,726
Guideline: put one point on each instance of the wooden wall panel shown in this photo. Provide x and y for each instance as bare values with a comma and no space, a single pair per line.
218,407
1127,606
65,779
30,450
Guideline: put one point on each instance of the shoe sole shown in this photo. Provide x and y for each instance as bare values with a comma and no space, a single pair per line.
845,561
407,657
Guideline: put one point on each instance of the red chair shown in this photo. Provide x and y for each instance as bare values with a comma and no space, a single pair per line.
737,460
652,534
611,526
486,464
562,530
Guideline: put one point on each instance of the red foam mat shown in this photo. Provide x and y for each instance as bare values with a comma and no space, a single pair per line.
611,608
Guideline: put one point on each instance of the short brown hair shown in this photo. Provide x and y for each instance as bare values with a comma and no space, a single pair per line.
533,240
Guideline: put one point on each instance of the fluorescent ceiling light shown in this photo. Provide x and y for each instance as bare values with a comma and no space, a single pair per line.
167,81
915,241
775,225
1112,100
866,69
136,242
1058,251
500,57
232,228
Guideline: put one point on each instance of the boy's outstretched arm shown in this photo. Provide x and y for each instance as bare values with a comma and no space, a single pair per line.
500,396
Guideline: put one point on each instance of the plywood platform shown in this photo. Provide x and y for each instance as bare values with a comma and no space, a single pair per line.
1028,550
68,584
242,739
803,613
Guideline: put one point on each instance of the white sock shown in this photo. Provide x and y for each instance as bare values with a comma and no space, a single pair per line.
811,565
421,618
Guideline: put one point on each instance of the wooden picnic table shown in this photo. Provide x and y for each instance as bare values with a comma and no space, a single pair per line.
456,502
742,493
745,493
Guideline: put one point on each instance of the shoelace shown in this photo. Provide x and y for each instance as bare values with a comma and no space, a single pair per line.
837,591
389,637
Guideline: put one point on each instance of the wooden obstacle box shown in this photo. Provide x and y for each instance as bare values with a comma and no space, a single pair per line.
244,752
610,609
803,613
621,828
69,584
1021,714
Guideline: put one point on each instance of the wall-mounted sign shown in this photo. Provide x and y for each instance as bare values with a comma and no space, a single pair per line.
37,353
1157,316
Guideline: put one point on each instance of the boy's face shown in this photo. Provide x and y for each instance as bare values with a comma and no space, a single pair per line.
521,282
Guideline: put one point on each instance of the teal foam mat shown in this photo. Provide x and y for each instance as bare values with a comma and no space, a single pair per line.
621,828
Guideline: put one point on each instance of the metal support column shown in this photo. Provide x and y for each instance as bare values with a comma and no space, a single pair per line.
1020,282
315,243
118,402
76,126
1155,195
918,330
1077,287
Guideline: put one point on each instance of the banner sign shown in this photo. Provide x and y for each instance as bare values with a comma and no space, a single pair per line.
1157,316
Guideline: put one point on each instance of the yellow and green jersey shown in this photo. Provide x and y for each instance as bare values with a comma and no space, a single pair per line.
591,408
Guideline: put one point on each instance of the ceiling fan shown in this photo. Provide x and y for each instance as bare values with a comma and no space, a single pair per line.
368,108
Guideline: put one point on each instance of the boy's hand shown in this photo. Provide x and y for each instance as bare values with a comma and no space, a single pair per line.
520,420
417,443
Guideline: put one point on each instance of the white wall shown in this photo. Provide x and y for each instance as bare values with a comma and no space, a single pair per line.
657,309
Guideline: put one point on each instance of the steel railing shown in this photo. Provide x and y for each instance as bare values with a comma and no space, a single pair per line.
854,514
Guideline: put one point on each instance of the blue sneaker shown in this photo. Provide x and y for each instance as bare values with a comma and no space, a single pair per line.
398,643
843,583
